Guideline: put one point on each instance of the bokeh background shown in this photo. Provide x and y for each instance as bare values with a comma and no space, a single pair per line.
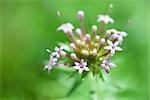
28,27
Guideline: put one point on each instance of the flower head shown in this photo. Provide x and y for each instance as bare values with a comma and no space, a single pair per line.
105,18
87,51
81,66
68,27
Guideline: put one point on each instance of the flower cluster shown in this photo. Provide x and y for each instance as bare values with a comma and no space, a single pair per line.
88,51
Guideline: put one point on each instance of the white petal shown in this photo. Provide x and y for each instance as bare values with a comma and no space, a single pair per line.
118,49
112,52
80,70
102,65
85,63
110,42
112,65
76,63
108,47
116,43
124,34
56,48
86,68
77,67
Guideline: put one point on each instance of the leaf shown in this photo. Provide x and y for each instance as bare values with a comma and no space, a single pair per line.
101,75
76,84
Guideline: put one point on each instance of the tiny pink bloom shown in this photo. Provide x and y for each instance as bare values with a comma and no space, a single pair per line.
113,47
68,27
105,18
119,35
58,52
51,63
81,66
106,64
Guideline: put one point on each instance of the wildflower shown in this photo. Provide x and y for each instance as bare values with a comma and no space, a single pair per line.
86,49
119,35
68,27
58,52
106,64
105,18
113,47
81,66
51,63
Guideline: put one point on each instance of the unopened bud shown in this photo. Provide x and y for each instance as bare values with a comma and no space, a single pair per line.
79,42
87,37
72,46
63,53
97,37
94,52
78,31
94,28
102,41
73,56
48,50
85,52
80,14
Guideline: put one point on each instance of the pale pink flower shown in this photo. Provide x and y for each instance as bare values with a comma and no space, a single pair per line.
105,18
68,27
106,64
113,47
81,66
119,35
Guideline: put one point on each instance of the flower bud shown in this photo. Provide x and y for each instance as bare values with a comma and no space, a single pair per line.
78,31
94,52
102,41
87,37
94,28
80,14
79,42
85,52
72,46
97,37
63,53
73,56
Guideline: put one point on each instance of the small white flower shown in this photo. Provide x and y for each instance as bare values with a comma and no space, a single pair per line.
58,52
119,35
113,47
105,18
81,66
68,27
52,62
106,64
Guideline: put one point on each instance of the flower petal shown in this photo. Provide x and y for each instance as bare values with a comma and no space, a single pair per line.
112,52
80,70
86,68
112,65
118,49
108,47
76,63
77,67
110,42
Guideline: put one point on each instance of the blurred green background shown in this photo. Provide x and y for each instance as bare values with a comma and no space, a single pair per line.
29,27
